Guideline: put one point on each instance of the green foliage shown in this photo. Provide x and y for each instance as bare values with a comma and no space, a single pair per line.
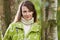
58,20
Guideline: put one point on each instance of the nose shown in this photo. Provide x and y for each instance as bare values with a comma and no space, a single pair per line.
27,13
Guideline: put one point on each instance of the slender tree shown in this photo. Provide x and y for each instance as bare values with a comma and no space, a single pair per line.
43,20
7,13
49,21
52,20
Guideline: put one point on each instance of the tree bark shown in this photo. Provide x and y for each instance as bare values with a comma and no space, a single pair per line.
49,21
52,21
43,20
7,13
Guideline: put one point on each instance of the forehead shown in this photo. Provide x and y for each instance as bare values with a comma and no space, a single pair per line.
24,8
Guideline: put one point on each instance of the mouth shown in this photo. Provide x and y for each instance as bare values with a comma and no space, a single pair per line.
27,16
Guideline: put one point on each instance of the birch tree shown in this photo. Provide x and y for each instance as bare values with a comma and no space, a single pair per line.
49,20
52,20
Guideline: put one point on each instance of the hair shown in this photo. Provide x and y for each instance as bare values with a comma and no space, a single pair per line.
30,6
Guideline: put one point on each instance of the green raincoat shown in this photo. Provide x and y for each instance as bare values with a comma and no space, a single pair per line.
16,32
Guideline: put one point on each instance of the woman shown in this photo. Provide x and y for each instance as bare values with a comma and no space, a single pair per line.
25,26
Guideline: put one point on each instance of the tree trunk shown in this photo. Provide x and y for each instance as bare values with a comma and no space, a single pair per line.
52,21
43,20
7,13
49,21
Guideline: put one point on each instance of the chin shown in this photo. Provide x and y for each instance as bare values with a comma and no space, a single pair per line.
27,19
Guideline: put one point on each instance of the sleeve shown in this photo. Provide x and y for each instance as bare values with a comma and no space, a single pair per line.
8,33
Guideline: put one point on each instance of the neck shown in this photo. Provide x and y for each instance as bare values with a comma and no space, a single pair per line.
24,21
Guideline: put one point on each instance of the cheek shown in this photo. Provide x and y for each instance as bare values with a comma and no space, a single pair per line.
31,14
23,14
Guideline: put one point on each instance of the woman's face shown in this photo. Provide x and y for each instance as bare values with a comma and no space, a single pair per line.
27,14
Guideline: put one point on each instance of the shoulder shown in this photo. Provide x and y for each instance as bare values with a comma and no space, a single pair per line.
13,25
36,25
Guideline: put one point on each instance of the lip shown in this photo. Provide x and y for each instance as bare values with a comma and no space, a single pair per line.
27,16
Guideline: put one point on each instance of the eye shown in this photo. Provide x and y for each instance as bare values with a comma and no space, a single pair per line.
24,11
